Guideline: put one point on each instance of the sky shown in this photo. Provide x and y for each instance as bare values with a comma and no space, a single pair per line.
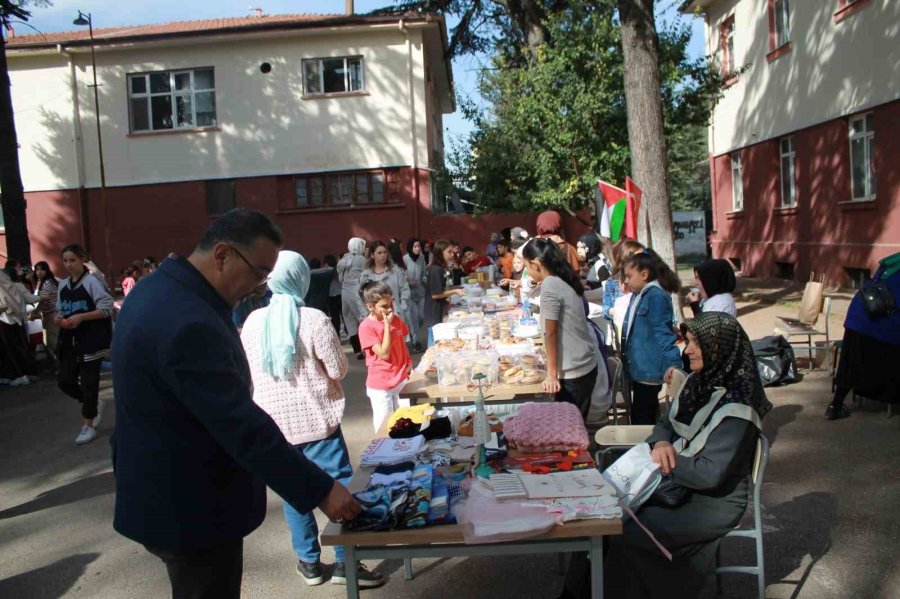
114,13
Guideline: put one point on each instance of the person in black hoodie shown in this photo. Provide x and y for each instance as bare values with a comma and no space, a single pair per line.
85,320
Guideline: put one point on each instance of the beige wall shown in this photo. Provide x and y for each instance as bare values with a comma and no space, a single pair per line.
832,70
265,126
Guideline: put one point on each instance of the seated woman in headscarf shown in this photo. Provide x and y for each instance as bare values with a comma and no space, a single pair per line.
715,281
704,446
297,363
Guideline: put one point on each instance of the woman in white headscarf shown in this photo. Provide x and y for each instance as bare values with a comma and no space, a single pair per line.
297,363
349,269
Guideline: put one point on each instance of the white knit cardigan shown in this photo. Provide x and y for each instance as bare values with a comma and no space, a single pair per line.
309,404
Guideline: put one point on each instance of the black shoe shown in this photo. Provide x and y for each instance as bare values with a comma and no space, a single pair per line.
364,578
418,347
833,412
311,573
360,356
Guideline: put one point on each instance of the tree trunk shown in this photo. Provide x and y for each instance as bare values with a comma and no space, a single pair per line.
646,136
18,245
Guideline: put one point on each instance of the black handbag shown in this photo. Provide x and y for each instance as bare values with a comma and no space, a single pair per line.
877,299
669,494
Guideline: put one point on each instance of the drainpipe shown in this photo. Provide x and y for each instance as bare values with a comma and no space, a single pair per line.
412,125
79,148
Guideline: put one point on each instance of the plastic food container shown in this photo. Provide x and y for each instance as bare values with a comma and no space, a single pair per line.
445,330
458,368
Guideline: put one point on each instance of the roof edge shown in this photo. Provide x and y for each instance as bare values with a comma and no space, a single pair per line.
326,23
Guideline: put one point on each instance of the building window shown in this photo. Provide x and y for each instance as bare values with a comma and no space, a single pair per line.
728,47
323,76
163,100
862,157
219,196
343,189
782,15
737,184
847,8
788,187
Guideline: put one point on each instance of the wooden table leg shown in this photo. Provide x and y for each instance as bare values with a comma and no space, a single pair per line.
596,556
351,567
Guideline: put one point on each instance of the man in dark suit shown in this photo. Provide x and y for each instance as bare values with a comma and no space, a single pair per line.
192,453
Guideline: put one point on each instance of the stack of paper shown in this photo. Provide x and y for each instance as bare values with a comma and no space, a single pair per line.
392,451
577,483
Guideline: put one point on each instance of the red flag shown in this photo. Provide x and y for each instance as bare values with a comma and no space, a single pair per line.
634,207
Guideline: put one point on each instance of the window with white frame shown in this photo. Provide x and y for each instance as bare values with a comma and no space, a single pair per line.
737,183
788,187
728,46
862,157
163,100
782,23
342,75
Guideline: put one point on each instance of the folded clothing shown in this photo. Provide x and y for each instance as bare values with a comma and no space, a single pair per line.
395,474
415,514
441,502
537,427
391,451
418,414
382,507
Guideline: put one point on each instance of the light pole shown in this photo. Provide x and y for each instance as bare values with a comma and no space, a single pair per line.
82,20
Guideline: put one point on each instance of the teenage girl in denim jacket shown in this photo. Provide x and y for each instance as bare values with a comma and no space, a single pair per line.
648,338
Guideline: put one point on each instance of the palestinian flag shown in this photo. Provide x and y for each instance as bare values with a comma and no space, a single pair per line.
612,205
618,209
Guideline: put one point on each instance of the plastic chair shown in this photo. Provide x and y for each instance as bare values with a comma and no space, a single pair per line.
759,468
673,388
619,438
793,328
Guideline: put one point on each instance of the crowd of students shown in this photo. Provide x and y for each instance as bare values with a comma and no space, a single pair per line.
384,296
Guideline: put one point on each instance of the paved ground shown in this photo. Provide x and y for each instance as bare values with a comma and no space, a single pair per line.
830,496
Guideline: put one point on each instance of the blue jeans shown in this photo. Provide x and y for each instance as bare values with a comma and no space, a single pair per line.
331,455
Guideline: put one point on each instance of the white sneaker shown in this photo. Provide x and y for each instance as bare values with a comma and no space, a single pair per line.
101,403
5,381
86,435
22,380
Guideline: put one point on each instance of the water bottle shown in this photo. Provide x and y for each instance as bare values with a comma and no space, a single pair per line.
526,307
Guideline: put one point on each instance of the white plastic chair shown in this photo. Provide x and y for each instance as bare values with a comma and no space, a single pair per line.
619,438
673,388
756,533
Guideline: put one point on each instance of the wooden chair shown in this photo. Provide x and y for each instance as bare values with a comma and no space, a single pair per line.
792,328
760,462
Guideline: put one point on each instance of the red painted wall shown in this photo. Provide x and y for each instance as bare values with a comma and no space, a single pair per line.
824,233
158,219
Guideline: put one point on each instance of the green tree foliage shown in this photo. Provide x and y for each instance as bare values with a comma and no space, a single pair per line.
557,121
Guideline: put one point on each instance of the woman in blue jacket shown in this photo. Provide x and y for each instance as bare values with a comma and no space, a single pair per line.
648,339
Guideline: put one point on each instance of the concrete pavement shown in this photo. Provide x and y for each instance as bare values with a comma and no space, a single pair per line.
830,499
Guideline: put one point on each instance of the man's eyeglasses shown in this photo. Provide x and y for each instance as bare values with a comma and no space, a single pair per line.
257,270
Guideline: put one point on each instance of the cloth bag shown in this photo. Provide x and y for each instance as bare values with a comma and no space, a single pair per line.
634,475
813,297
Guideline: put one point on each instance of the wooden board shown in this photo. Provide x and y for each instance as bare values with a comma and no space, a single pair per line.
419,387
